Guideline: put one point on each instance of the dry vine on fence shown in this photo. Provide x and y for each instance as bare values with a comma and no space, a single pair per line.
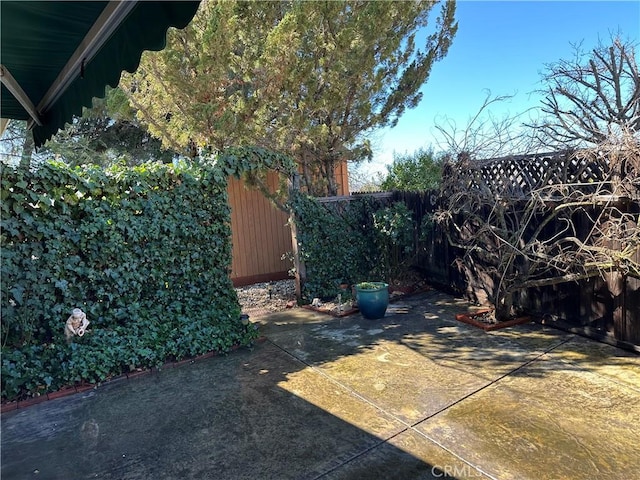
536,220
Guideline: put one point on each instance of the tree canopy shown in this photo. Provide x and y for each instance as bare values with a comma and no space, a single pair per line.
106,133
310,79
415,172
593,96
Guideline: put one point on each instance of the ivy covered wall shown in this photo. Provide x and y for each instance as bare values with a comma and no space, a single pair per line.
144,251
350,240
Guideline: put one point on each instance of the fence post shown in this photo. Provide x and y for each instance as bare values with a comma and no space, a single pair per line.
301,272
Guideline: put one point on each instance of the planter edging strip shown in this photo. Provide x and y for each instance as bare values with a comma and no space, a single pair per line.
468,319
85,387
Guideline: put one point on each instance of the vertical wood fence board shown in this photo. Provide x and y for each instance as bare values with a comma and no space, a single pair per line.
342,178
632,300
237,215
260,235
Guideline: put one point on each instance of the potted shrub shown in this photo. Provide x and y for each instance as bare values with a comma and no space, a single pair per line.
372,298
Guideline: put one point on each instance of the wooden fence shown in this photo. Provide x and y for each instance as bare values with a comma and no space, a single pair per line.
260,232
435,257
606,307
516,176
260,235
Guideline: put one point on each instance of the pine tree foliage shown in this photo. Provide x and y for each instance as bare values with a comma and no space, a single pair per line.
310,79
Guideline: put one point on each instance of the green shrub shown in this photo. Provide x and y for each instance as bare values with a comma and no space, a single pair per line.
414,172
144,251
334,243
350,241
394,228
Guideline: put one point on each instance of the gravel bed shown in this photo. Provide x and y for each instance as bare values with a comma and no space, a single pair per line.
268,297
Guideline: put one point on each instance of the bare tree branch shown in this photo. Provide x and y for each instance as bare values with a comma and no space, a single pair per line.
484,135
570,216
591,97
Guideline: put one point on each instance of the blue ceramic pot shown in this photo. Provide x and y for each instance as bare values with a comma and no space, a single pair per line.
372,302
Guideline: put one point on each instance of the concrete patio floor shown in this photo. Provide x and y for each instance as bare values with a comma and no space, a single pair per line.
415,395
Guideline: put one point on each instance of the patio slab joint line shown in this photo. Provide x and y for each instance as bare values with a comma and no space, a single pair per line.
347,388
415,424
451,452
358,455
493,382
358,396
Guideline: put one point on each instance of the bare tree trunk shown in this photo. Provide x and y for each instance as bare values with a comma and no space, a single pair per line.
504,306
616,284
308,176
332,187
27,150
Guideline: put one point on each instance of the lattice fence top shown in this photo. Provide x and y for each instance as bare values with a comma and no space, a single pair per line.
517,176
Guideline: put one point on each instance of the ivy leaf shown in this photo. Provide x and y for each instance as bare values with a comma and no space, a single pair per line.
17,293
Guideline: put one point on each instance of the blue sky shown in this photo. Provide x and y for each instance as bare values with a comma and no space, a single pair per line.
501,46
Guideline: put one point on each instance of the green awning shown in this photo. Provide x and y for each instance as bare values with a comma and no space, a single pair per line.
56,56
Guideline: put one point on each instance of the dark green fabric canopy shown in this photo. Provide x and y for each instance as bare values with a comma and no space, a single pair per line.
56,56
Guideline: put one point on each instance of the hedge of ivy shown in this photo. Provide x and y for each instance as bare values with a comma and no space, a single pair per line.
351,241
144,251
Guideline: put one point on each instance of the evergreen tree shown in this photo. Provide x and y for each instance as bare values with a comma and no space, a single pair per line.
310,79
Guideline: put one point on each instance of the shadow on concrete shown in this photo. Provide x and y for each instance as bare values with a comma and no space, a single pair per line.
428,327
231,417
329,398
528,401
